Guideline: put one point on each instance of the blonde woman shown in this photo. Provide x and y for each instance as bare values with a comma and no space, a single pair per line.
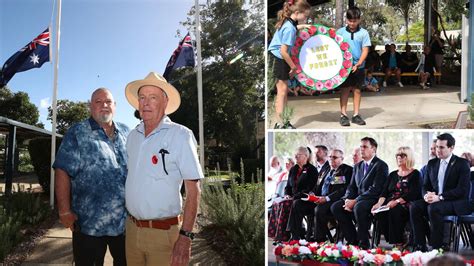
403,187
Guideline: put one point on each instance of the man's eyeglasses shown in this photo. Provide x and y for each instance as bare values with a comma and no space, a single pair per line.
402,155
334,157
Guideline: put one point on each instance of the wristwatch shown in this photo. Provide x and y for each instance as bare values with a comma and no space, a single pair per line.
441,197
187,234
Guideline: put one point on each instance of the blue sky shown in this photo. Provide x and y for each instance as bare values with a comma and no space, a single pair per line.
104,43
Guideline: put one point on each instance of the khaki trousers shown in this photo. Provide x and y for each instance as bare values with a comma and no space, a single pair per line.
149,246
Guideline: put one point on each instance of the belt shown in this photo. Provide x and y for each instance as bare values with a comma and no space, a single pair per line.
164,224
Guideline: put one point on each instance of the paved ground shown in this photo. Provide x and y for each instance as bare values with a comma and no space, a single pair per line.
408,107
56,249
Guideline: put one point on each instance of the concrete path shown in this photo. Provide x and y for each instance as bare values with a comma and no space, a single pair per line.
394,107
55,248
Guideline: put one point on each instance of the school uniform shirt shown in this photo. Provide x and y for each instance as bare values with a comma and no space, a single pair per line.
285,35
357,40
157,165
97,168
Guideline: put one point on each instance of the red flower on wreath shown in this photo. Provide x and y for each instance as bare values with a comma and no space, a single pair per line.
312,30
293,242
154,159
295,251
343,72
344,46
396,257
294,51
278,250
310,82
332,33
328,84
346,253
298,42
379,251
347,63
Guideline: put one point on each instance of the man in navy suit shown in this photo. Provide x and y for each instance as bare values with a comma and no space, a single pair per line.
445,192
369,179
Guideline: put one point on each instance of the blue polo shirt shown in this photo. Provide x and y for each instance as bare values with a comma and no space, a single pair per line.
97,167
357,41
285,35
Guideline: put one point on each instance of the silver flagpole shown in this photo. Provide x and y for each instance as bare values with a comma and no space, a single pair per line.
54,104
199,83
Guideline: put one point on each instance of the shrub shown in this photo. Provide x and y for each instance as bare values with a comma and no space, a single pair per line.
18,211
40,152
236,217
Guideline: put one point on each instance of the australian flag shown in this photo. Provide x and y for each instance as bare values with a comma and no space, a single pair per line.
33,55
183,56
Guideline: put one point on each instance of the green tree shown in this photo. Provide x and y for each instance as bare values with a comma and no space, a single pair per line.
233,93
69,113
417,33
17,106
403,7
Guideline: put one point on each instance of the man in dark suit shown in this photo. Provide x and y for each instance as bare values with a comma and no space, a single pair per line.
300,207
322,163
369,179
445,192
333,188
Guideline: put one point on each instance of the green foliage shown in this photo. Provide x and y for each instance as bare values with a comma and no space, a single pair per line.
69,113
17,106
236,215
25,165
40,150
16,212
233,93
416,33
470,108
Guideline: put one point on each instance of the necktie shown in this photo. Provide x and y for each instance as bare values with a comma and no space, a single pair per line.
327,182
442,170
366,167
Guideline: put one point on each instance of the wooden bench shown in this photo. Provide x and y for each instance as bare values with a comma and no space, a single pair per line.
409,74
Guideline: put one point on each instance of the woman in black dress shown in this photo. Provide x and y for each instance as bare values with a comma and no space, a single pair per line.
404,186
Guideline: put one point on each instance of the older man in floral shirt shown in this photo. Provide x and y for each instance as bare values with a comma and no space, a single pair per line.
90,172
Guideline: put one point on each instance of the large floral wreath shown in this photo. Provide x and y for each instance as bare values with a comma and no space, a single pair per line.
304,78
305,252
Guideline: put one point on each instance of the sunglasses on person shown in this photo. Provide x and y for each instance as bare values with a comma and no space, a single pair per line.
334,157
402,155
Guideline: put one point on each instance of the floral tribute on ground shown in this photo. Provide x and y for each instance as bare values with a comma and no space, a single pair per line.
312,253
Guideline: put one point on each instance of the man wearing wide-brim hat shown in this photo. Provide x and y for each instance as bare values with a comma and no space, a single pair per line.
161,154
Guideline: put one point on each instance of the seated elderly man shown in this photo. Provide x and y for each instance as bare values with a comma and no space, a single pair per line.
333,187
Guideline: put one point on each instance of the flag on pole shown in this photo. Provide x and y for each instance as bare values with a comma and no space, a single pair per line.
183,56
33,55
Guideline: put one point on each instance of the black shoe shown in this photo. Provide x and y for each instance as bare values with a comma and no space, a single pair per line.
344,121
288,125
358,120
278,126
364,246
421,248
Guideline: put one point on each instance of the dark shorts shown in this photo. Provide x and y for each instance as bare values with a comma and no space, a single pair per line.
355,79
281,70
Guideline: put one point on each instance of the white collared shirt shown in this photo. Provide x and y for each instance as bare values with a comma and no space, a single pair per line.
150,193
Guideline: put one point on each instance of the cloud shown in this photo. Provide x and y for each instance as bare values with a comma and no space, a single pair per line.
44,103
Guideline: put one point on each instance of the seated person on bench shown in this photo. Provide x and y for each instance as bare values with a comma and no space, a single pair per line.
391,62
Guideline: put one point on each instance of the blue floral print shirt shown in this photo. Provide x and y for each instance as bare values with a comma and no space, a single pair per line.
97,167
